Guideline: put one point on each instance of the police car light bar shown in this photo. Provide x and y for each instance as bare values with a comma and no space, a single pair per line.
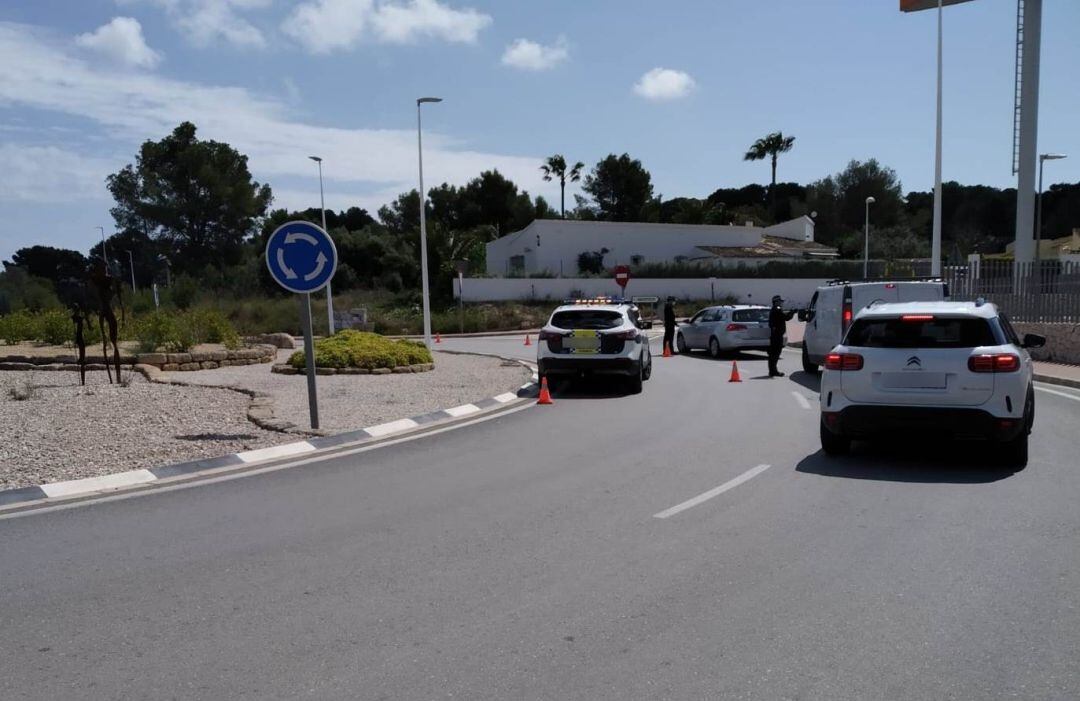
597,300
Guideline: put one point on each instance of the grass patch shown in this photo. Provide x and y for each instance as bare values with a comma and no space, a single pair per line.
358,349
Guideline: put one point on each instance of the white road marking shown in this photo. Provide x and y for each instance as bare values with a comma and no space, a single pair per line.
391,427
1067,395
276,451
716,491
97,484
503,398
463,410
803,402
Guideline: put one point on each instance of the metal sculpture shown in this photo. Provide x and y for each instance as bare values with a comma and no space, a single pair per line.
79,318
107,287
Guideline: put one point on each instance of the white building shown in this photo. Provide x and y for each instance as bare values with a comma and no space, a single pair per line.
553,245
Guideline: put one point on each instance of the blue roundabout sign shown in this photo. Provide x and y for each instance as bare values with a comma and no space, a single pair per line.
301,257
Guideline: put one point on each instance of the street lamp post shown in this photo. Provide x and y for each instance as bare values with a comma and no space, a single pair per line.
866,245
1043,158
104,251
423,222
329,294
131,264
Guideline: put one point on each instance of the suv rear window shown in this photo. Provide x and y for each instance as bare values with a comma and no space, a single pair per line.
587,319
750,315
932,333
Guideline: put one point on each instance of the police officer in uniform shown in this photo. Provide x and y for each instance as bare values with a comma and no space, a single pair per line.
778,319
669,324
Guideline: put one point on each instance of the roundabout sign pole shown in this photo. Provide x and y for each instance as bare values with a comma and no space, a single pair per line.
302,258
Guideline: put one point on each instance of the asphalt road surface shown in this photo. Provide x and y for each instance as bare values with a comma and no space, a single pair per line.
690,542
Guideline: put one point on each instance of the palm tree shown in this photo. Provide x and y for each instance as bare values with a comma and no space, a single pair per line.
770,146
555,167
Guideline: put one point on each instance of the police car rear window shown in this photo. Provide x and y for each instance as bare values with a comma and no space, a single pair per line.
930,333
587,319
750,315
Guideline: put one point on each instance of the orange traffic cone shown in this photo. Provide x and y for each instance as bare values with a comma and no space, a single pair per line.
735,372
667,350
527,341
438,338
545,395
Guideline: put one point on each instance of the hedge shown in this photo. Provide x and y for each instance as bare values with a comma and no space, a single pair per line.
360,349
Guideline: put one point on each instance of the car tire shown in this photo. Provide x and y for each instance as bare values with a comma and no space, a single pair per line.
648,369
680,344
834,444
808,366
714,347
1014,453
633,383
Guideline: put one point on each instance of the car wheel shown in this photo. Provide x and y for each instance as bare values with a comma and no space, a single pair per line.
1014,453
680,343
648,369
834,444
634,381
714,347
807,366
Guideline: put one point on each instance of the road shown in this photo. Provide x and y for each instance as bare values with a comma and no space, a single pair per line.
523,558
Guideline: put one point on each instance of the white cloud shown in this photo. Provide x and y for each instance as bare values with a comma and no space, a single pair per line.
322,26
664,84
205,22
402,23
531,56
36,72
121,40
50,174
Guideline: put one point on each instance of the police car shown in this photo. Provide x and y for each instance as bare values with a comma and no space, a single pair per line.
918,369
601,336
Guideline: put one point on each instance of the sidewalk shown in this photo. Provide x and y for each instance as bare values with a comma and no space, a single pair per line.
1058,374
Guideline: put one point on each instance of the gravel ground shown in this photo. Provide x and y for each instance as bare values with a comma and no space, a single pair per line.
64,431
349,402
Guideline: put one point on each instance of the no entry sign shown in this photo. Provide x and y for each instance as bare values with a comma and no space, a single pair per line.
622,275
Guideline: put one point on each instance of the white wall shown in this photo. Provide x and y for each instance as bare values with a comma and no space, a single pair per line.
560,242
798,229
797,293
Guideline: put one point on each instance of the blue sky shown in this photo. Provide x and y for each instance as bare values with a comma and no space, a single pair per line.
684,85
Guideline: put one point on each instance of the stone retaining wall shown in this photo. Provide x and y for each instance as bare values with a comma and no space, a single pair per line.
1062,341
169,362
285,369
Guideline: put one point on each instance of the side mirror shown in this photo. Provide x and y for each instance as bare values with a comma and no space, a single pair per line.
802,315
1033,340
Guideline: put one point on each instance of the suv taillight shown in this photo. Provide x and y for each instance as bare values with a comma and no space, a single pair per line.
630,335
845,362
736,327
546,335
994,362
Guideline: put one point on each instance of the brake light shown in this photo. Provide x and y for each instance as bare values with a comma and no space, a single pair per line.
917,317
994,362
844,362
736,327
847,316
546,335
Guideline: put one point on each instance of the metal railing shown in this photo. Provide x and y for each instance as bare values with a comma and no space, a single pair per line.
1047,292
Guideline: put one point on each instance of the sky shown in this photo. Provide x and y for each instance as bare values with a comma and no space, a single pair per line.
685,86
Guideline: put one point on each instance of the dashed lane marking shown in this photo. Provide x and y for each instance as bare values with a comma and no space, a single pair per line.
714,492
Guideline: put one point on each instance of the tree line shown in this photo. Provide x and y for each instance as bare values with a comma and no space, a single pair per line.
189,211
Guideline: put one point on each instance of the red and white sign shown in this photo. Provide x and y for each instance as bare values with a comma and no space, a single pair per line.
622,275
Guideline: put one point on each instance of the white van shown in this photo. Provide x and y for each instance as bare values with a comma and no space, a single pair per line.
833,306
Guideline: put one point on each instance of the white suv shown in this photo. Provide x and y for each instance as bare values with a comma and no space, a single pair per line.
930,368
600,336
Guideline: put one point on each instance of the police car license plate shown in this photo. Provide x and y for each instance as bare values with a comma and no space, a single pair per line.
583,341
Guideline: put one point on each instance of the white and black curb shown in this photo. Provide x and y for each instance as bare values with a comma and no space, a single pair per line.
121,480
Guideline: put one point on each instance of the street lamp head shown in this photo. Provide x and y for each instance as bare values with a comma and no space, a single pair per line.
428,99
870,200
1052,156
317,159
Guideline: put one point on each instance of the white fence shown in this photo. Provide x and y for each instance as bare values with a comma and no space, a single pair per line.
796,292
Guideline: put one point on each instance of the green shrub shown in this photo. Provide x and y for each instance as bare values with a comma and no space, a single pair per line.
184,291
155,330
55,327
18,327
360,349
